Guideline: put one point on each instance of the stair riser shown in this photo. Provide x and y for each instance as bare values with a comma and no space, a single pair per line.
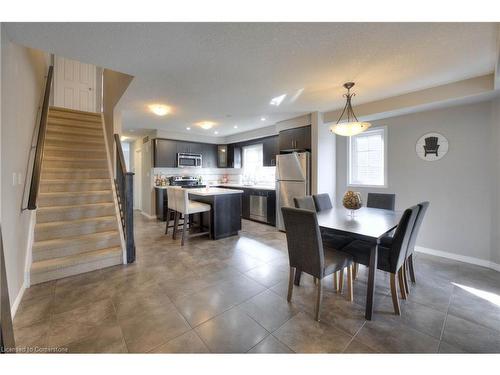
74,123
76,144
81,153
74,229
73,213
37,278
75,247
47,201
76,163
74,116
74,174
53,187
74,131
74,137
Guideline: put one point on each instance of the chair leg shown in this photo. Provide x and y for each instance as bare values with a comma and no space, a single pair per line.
319,298
210,225
176,223
402,288
335,281
298,273
394,294
411,268
350,293
341,281
290,284
184,225
355,269
405,278
168,221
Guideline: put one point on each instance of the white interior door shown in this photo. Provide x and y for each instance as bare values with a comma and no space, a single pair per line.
74,85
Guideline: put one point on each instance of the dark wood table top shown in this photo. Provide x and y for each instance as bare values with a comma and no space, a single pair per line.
367,223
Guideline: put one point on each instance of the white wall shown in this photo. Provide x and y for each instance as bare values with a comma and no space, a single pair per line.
495,232
459,186
23,78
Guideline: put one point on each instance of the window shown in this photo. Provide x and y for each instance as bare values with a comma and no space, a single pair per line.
253,171
367,158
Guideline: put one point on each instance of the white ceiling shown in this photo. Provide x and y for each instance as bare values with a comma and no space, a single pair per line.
228,72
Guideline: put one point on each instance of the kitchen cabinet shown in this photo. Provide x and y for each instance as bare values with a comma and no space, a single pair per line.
234,156
209,154
222,156
189,147
165,153
295,139
269,150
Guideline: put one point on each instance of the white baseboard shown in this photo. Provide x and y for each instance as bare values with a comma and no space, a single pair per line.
17,301
460,258
148,216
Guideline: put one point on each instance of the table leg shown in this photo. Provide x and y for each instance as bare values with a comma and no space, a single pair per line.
372,270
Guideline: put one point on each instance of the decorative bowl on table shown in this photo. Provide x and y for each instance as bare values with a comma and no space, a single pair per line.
352,201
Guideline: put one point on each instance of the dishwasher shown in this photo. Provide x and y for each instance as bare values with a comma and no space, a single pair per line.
258,207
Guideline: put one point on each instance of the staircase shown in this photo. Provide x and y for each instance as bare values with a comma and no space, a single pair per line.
76,227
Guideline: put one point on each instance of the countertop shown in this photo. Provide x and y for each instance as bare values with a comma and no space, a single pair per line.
256,187
214,191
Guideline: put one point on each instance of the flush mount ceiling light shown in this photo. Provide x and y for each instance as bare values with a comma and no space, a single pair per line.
159,109
262,119
207,125
350,125
277,100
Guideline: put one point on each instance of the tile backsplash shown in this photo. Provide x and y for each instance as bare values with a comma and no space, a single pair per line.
214,175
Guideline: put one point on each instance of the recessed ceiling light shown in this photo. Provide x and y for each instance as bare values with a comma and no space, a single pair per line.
277,100
205,124
188,128
262,119
235,126
216,132
159,109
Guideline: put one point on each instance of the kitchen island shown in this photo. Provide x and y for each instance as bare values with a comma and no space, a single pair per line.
226,209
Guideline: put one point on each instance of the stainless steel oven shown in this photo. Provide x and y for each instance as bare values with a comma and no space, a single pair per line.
185,159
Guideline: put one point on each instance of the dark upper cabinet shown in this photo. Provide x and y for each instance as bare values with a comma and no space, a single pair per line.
234,156
189,147
209,155
269,150
295,139
165,153
222,161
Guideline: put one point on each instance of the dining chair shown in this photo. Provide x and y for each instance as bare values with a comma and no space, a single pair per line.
322,202
334,241
379,200
413,239
391,256
307,254
186,207
307,203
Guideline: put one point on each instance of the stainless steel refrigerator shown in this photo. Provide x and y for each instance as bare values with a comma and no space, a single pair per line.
292,180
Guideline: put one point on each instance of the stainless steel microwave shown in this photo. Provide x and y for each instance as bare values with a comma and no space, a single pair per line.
185,159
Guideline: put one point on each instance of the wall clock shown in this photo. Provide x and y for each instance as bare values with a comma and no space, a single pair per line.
431,146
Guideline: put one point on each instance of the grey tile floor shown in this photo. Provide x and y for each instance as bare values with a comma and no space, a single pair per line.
230,296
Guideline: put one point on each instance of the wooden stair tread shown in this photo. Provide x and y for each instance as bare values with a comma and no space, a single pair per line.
73,222
70,193
76,206
68,110
71,239
72,260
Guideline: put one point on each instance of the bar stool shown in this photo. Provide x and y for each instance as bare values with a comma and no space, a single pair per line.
171,208
186,207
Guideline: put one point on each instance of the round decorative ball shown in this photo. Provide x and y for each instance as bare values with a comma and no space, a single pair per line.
352,200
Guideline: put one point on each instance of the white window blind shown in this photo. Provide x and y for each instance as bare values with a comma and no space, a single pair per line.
367,158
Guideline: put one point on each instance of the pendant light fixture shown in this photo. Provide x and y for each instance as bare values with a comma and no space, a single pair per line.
350,125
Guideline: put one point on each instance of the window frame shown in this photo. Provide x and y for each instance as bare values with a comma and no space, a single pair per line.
385,184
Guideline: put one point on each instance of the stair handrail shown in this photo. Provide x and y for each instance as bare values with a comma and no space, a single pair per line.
124,182
40,143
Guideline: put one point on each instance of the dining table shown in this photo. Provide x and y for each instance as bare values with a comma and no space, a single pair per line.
366,224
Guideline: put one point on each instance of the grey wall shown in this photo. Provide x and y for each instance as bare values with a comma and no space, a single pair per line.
23,79
495,230
459,186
